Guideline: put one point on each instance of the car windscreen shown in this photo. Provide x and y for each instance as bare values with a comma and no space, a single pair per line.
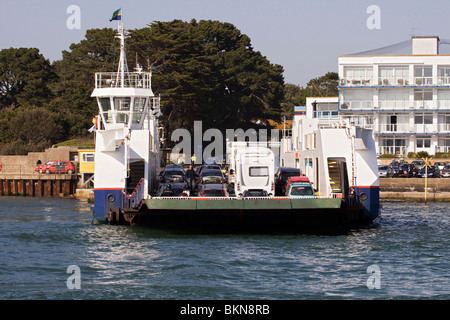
301,191
216,173
213,193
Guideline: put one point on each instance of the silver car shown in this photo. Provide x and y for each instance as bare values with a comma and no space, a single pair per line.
383,171
445,173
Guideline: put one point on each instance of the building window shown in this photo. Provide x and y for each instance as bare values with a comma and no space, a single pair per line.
392,145
88,157
357,99
423,75
423,98
393,75
423,122
443,99
326,110
357,76
393,99
423,142
443,145
443,75
443,122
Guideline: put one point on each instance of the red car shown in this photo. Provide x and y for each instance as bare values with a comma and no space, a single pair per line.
56,166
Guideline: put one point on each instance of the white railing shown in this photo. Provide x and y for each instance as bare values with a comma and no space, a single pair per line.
443,127
131,80
391,128
443,81
423,81
357,104
356,81
424,104
394,104
393,81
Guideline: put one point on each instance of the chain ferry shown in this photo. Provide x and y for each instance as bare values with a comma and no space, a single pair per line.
128,164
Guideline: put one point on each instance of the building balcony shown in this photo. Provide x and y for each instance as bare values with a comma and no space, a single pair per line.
394,82
357,105
356,82
402,128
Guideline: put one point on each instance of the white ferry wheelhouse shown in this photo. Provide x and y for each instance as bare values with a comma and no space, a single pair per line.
127,140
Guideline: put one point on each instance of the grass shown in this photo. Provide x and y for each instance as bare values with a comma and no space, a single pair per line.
79,142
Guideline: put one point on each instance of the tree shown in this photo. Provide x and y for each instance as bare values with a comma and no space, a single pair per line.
208,71
33,129
324,86
98,52
25,76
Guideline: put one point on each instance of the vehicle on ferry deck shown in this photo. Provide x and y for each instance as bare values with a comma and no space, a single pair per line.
300,189
281,179
255,193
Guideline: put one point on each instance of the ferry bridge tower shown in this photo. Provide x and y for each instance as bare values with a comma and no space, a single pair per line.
127,141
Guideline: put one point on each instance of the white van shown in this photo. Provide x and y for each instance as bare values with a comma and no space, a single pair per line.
255,169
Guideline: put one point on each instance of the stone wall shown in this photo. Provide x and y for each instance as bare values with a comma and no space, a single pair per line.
27,163
438,189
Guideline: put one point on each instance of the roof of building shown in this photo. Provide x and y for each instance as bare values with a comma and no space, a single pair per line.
403,48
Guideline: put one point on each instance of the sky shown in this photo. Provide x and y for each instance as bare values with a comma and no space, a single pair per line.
305,37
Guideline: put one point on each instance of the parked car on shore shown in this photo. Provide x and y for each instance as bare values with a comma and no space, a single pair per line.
404,169
431,172
440,164
383,171
445,173
56,166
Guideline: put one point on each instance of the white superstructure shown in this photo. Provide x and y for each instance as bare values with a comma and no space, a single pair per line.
127,143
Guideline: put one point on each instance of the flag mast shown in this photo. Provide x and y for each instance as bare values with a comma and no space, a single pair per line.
123,67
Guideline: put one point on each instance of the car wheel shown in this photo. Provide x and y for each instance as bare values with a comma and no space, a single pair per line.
47,171
69,171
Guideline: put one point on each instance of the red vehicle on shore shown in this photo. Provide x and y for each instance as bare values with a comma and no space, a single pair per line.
56,166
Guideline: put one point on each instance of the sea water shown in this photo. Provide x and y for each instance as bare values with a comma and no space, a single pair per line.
51,250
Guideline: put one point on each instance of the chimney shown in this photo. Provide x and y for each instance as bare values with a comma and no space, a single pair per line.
425,45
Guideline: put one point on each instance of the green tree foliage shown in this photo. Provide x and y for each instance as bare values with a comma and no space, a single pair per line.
33,129
97,52
25,76
324,86
208,71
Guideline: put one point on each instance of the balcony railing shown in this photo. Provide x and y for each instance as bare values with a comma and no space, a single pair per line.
423,81
357,105
394,128
393,81
131,80
356,81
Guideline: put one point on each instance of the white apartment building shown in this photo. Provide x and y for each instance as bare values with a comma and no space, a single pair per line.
404,98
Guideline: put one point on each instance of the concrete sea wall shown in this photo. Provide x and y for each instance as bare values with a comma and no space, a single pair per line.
438,189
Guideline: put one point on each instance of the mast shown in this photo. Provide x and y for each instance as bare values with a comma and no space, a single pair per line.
123,67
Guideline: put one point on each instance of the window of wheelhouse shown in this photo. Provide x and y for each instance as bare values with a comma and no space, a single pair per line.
122,108
138,109
105,105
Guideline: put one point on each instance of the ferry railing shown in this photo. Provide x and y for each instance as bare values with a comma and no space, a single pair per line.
131,201
131,80
334,195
